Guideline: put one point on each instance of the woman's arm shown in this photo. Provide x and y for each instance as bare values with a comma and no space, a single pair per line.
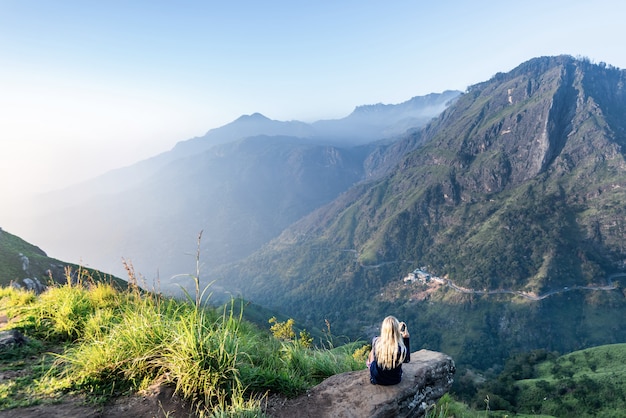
407,343
371,356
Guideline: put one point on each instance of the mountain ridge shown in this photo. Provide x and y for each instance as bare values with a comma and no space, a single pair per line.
25,265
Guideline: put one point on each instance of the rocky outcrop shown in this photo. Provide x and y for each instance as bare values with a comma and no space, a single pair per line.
425,379
11,338
30,284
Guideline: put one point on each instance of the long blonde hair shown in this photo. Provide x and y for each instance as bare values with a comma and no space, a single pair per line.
388,344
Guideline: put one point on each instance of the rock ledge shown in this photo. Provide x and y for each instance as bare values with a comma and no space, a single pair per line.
425,379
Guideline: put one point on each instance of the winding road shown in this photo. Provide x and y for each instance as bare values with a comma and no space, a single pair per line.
610,286
527,295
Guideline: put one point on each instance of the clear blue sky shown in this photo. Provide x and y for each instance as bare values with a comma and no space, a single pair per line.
87,86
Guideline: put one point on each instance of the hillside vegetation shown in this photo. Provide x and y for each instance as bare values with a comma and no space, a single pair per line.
12,251
21,260
586,383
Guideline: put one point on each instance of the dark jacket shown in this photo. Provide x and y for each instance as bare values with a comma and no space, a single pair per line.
380,376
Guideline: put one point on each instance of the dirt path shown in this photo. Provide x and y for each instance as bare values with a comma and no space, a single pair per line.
157,401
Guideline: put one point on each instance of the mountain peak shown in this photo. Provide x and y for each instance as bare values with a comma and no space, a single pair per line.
255,117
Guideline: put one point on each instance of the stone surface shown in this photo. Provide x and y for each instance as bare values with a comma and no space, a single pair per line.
11,338
425,379
30,284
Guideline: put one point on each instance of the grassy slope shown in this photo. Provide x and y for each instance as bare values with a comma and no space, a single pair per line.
10,263
589,382
113,342
585,383
39,265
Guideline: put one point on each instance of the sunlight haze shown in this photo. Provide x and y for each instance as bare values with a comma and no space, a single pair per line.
92,86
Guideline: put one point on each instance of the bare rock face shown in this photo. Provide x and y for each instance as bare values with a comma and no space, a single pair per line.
30,284
11,338
425,379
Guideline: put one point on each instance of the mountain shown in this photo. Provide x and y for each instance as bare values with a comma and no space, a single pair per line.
240,184
243,127
384,121
26,265
519,186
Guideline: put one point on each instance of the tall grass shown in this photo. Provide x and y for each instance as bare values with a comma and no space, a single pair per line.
447,407
200,358
119,341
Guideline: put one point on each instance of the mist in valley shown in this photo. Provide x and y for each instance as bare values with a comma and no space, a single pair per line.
240,185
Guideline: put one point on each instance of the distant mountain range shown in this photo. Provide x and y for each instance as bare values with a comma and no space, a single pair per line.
241,184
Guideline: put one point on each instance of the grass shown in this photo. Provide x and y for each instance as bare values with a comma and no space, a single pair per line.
447,407
589,382
92,338
586,383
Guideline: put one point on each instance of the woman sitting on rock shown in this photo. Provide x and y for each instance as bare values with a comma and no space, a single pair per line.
389,351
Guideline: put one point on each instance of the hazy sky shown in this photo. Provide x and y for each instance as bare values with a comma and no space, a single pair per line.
87,86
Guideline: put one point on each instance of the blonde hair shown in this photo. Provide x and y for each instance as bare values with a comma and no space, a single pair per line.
389,347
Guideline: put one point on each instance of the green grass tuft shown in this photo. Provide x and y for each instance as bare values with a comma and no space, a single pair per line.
109,342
